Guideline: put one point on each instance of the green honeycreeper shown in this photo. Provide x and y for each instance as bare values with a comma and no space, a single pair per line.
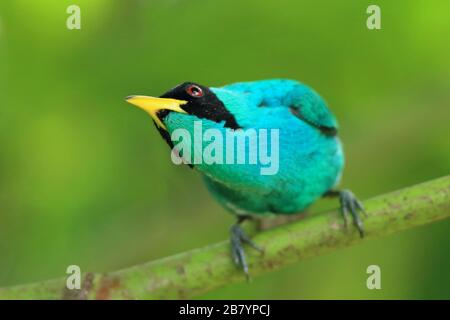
311,158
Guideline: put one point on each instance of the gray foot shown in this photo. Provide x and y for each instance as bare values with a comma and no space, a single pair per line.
350,205
238,238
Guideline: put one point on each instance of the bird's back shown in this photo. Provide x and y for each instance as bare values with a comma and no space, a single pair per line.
310,157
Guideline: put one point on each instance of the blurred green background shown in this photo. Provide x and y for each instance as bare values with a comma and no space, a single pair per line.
85,178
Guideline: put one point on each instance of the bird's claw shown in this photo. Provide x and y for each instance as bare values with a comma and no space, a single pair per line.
238,238
350,205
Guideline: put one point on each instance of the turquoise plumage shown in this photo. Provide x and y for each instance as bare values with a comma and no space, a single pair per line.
310,159
310,162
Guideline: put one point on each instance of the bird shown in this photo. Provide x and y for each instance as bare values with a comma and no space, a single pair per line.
310,153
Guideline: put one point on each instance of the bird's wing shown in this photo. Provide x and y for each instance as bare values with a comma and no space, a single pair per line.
303,101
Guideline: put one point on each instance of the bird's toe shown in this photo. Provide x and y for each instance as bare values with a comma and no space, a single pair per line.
350,205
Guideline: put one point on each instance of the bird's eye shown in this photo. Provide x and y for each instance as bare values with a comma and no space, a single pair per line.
194,91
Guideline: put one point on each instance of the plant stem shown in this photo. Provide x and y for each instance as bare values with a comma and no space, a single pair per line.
201,270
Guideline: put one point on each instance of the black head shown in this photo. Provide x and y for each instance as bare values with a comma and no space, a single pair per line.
201,102
187,98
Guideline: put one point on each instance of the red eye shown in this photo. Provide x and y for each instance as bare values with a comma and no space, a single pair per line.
194,91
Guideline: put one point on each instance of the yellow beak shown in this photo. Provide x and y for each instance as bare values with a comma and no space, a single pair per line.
153,105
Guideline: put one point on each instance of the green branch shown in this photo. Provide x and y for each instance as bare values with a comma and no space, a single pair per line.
201,270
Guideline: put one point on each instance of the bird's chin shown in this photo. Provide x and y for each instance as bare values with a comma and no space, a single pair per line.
164,134
162,114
